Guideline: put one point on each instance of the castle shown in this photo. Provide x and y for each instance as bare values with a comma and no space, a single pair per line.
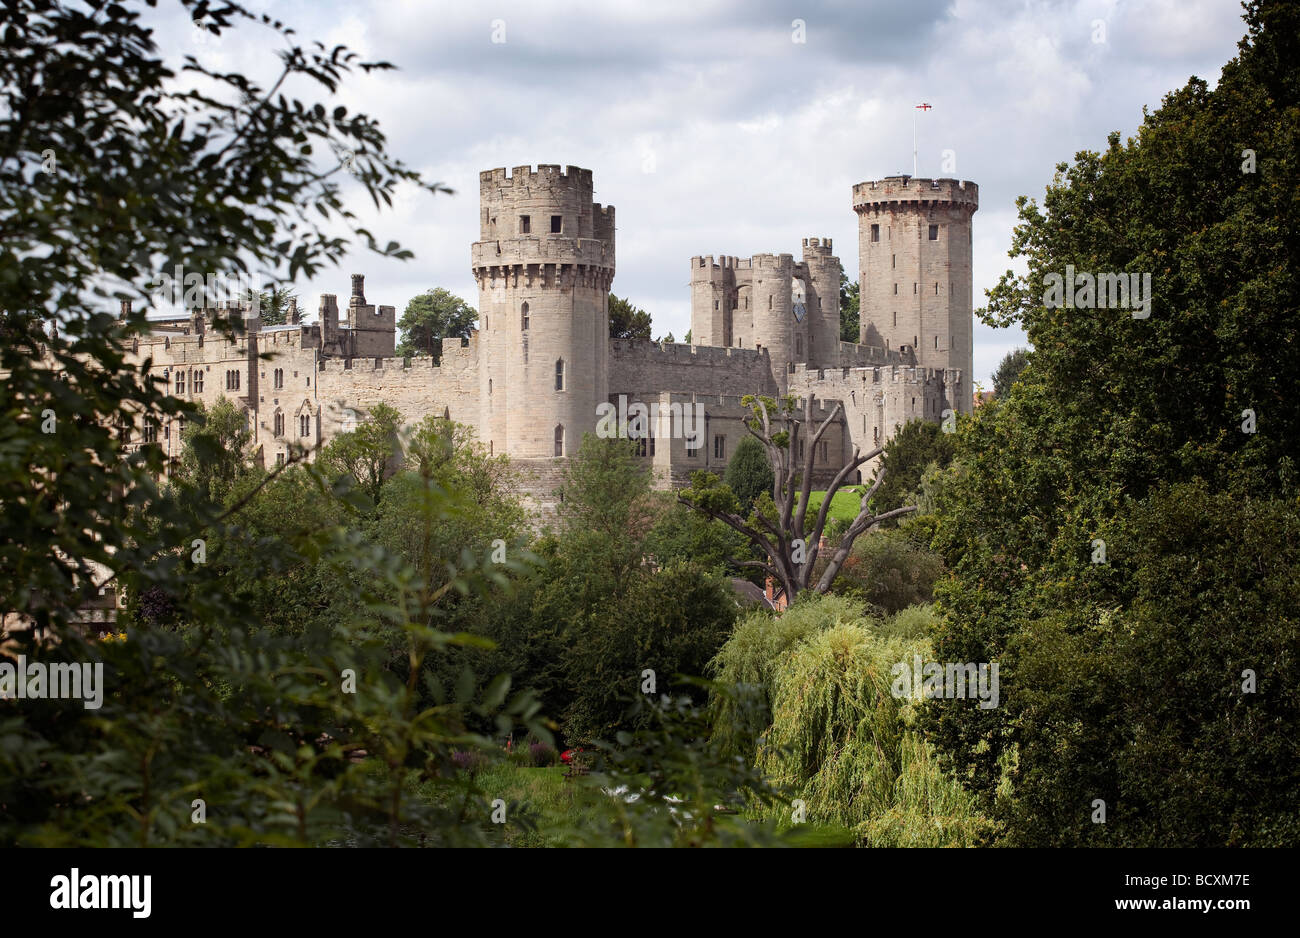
531,378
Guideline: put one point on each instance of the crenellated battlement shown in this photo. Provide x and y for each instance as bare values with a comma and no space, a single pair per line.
874,195
530,250
546,174
817,246
681,352
869,374
455,355
772,261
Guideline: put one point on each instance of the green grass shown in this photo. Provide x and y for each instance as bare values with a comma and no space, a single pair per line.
552,803
555,808
844,506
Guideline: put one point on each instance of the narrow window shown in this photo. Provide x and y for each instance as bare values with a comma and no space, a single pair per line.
559,440
279,459
525,224
895,289
523,318
559,374
934,232
936,341
180,382
489,387
893,260
719,446
769,301
936,288
198,382
557,223
875,232
895,319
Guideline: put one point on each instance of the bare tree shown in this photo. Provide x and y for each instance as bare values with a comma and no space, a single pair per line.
778,525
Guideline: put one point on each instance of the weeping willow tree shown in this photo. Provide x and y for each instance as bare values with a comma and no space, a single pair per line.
837,736
748,662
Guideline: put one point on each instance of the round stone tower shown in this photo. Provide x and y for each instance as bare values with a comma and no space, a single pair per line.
914,261
544,268
775,327
823,312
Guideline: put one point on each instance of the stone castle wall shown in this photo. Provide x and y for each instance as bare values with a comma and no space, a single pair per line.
533,375
414,386
644,367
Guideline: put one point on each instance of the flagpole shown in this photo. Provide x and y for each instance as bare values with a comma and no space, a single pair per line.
913,143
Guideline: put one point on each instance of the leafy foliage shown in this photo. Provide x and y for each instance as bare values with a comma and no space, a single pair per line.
432,317
1009,369
627,321
918,445
850,317
749,474
1096,519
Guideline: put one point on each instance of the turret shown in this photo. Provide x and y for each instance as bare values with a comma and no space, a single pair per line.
914,249
544,266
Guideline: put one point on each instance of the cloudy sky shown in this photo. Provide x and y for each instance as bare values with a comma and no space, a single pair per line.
713,131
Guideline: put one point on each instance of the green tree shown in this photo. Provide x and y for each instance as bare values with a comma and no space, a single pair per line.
431,317
273,305
215,449
91,117
889,571
749,474
627,321
681,535
1009,370
850,318
370,453
918,445
1064,517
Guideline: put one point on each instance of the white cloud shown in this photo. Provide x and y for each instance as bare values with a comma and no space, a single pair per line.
711,132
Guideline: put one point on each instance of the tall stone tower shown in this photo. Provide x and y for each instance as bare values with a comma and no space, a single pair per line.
914,259
775,327
544,266
823,302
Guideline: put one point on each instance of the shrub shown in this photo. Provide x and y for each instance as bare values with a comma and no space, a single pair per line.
887,569
543,755
747,661
749,474
842,739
